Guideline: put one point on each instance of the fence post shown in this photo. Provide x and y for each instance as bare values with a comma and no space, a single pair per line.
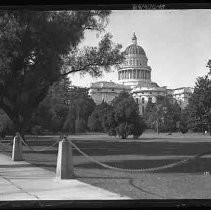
64,168
17,148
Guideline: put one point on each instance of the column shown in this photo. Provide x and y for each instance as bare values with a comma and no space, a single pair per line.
130,71
118,75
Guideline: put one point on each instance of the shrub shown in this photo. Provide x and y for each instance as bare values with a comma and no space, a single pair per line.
183,127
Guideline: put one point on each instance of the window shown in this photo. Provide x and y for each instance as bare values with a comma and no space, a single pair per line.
137,100
150,92
142,100
112,89
150,99
98,89
142,92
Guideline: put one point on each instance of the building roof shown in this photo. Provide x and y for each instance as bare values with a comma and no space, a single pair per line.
134,48
106,84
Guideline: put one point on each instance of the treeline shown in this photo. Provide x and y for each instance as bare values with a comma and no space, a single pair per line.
71,110
64,109
120,118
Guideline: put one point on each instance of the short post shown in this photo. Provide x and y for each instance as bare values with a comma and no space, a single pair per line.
64,168
17,154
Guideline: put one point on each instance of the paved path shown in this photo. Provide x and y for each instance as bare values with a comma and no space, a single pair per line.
21,181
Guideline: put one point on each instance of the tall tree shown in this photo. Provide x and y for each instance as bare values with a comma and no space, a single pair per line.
52,111
5,123
98,119
199,107
162,115
126,116
39,47
81,106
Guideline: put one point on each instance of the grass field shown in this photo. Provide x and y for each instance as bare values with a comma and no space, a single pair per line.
188,181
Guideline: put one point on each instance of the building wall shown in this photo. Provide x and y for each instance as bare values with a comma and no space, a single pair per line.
182,95
104,94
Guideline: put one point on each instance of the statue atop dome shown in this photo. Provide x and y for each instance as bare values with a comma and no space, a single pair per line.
134,39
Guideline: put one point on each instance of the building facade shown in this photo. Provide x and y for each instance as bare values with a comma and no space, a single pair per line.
105,91
181,95
134,75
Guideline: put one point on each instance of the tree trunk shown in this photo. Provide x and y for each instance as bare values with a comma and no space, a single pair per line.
124,136
19,126
209,129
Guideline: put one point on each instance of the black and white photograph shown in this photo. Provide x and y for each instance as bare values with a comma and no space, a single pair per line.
105,105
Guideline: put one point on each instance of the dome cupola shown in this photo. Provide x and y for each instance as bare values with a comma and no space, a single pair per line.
134,39
134,48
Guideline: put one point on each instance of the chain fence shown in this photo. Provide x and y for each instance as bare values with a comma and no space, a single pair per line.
40,150
140,170
6,146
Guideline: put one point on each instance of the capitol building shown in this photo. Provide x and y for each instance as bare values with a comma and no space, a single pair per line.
134,76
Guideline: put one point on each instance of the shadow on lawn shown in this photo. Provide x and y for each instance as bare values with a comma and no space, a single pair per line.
16,166
142,148
200,165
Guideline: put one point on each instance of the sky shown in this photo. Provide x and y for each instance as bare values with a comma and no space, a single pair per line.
177,44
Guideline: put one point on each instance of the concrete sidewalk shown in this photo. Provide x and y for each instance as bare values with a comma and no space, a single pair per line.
22,181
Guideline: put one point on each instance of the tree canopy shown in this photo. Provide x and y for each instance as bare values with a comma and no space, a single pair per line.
98,119
81,106
165,114
199,107
126,119
52,111
38,48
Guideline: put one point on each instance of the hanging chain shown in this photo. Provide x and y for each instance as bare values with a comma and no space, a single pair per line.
5,146
40,150
171,165
140,170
